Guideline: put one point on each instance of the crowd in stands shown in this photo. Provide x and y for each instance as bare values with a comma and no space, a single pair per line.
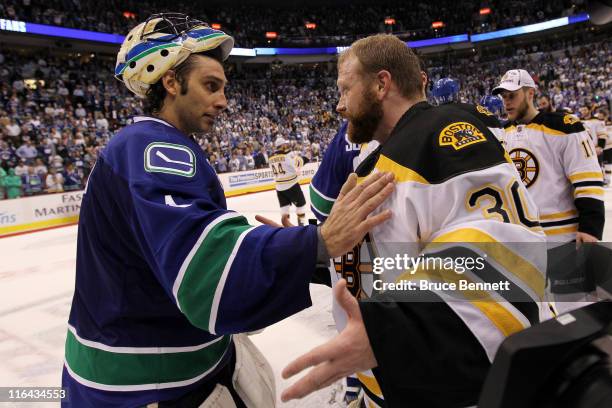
56,114
337,23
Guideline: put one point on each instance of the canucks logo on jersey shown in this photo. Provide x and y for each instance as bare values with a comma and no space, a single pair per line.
170,158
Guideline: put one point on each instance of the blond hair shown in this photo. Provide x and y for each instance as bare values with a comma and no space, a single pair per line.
387,52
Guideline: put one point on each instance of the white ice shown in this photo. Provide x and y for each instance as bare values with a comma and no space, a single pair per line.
36,286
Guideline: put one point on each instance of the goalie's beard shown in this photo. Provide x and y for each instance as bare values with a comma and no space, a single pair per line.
364,123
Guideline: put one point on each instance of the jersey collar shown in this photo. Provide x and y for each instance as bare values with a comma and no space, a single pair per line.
137,119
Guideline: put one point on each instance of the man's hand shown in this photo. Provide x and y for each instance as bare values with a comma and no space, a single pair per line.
348,221
345,354
584,237
285,220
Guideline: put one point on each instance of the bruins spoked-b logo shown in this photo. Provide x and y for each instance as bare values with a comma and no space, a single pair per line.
526,164
356,267
461,134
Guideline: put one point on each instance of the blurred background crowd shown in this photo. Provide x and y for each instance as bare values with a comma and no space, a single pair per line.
334,24
58,112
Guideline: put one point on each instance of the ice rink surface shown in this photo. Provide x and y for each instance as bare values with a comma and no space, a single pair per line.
36,285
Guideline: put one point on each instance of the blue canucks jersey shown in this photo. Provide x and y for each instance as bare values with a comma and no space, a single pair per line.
165,273
338,162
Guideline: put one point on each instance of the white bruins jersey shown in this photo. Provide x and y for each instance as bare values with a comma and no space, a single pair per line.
286,168
609,137
456,191
363,288
360,285
596,130
556,160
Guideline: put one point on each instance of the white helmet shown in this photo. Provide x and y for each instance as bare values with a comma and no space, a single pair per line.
279,142
161,43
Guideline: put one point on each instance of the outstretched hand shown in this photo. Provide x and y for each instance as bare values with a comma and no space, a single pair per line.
347,353
348,221
284,219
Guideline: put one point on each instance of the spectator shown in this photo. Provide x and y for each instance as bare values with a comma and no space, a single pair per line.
21,169
2,183
250,161
12,183
72,179
101,122
40,169
80,112
234,164
32,182
54,182
222,165
242,166
13,130
27,151
261,159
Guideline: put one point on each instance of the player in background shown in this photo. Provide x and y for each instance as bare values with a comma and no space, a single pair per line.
597,131
604,116
545,104
445,90
287,168
557,161
494,104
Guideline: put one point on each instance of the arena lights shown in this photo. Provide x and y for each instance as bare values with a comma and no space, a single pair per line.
311,26
215,26
129,14
484,11
437,24
270,35
531,28
389,21
84,35
453,39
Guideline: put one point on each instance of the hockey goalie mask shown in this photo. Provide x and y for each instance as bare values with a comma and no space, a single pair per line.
161,43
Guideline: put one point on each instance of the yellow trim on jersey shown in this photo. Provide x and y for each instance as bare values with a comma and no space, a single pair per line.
370,383
586,175
402,174
565,214
291,178
560,231
510,261
539,127
588,191
545,129
501,317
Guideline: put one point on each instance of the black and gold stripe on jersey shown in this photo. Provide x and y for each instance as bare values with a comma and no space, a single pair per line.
551,123
416,144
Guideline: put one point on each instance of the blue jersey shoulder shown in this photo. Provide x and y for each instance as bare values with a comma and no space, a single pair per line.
338,163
